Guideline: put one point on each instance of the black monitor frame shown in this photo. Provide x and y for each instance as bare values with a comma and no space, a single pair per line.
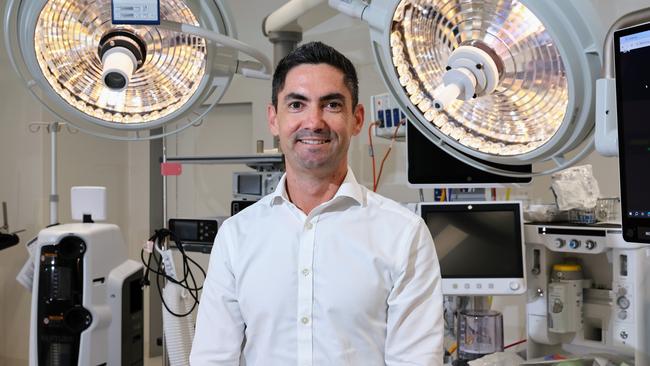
635,220
439,169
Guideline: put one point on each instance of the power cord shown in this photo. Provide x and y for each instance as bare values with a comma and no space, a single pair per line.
187,281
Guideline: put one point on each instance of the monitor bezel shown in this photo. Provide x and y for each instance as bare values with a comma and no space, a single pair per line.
471,286
631,225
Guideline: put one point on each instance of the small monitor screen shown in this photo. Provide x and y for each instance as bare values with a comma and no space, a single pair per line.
249,184
477,241
632,56
186,230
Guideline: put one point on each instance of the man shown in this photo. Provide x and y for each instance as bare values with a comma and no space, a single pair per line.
323,271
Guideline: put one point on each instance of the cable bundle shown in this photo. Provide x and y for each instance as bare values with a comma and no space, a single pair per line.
162,270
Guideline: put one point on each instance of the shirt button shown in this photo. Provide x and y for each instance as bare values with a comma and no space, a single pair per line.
308,226
306,272
304,320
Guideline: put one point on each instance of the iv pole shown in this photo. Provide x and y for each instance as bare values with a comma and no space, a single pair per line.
53,129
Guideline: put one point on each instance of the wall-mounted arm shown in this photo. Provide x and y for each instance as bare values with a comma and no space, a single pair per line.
606,121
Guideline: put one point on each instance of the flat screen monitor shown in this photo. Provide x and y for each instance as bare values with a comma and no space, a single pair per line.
632,57
429,166
479,245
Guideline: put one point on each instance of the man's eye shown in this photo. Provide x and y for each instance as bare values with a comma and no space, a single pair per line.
334,106
295,105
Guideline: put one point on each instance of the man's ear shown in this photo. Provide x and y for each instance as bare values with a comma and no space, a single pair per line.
271,116
359,115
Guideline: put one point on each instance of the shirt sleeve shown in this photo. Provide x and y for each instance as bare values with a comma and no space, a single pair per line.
415,328
219,327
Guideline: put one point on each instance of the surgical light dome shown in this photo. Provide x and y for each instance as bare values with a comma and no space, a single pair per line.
509,82
103,77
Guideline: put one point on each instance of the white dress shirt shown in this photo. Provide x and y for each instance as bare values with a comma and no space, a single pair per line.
355,282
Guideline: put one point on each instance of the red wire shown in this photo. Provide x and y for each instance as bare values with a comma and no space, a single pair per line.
514,344
381,167
372,155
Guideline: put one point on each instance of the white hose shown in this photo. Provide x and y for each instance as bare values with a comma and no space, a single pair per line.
178,331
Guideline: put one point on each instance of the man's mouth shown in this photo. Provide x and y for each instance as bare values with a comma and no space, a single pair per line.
314,141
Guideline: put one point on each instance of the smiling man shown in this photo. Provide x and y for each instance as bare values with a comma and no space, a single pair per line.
323,271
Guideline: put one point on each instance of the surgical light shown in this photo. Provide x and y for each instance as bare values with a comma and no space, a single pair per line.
510,82
104,77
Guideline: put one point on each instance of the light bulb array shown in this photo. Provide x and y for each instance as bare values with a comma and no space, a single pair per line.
530,101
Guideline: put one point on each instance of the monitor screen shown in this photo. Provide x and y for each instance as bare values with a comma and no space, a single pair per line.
429,166
632,56
479,246
249,184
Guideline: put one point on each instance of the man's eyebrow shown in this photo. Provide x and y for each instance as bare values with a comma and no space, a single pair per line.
332,96
295,96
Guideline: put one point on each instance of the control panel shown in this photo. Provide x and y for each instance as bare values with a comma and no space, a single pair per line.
574,240
197,235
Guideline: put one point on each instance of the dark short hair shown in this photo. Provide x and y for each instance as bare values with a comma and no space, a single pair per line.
315,53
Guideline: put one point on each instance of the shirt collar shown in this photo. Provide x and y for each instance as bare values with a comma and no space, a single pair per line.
349,188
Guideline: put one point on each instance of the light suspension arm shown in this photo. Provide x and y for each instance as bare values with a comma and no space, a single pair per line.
249,69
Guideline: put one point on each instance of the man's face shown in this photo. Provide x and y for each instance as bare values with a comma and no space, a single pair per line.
315,119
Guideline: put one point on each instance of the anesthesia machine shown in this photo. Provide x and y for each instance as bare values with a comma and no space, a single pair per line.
587,291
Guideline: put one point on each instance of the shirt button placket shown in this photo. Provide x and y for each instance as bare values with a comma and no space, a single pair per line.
305,294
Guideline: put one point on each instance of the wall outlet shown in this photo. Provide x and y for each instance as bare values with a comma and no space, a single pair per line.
387,112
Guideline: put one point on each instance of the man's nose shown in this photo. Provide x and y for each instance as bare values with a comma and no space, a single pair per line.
313,118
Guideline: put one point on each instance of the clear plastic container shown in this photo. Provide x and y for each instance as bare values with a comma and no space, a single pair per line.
480,332
608,210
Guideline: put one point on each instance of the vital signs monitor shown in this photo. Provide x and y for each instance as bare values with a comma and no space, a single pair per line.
479,245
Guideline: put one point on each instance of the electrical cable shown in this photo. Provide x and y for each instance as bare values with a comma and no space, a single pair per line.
375,183
390,147
372,154
187,281
514,344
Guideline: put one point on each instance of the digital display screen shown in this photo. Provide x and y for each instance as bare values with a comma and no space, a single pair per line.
186,230
482,242
249,184
632,58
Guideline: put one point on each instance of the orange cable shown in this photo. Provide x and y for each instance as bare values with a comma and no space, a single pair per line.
390,147
372,155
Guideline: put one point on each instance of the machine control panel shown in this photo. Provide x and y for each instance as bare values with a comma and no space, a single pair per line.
574,240
196,234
